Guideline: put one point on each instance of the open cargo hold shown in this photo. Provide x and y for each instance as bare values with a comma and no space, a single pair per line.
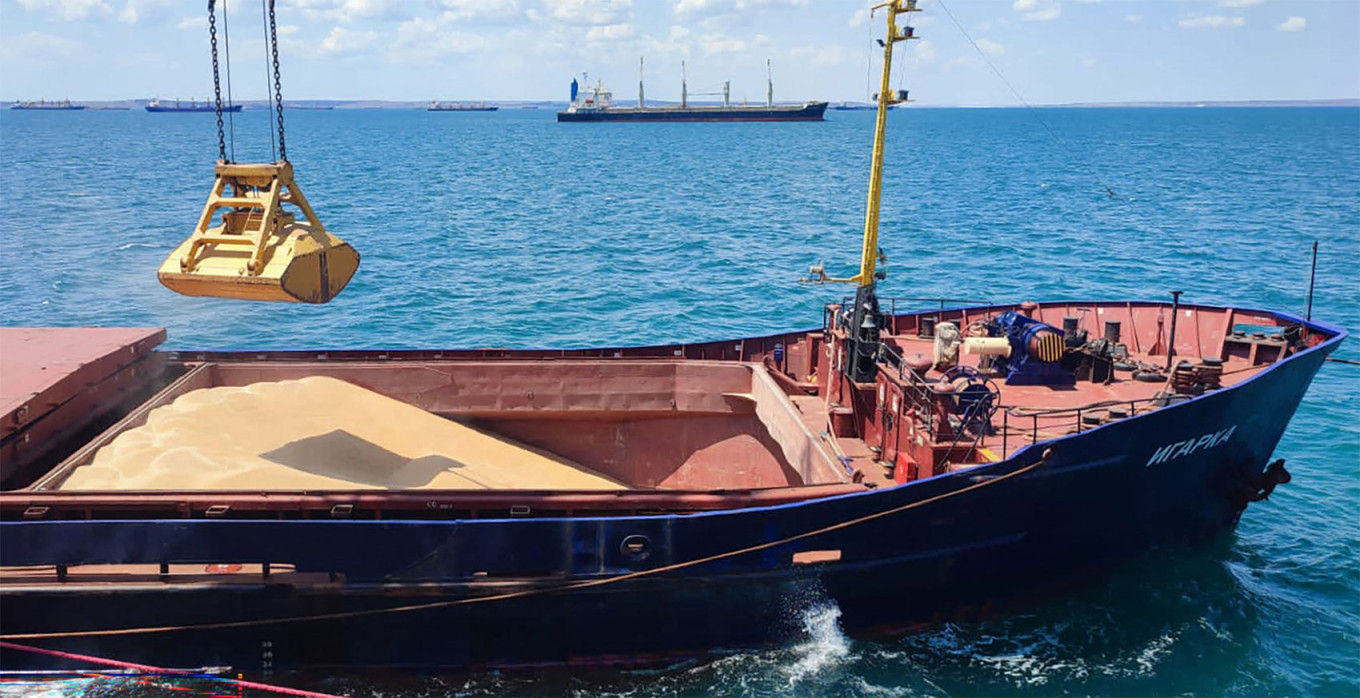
547,430
315,433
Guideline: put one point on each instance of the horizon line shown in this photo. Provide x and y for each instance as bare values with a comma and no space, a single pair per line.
1318,101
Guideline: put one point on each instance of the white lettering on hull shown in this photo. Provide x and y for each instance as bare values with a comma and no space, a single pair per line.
1187,447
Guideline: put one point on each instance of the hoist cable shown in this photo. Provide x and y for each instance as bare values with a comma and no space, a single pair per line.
1033,112
226,46
264,20
217,82
278,85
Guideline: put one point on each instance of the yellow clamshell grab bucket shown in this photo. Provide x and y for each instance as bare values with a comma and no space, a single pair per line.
258,251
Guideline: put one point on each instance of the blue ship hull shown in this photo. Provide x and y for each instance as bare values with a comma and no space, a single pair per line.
403,592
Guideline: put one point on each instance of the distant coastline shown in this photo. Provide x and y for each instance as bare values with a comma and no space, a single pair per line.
327,104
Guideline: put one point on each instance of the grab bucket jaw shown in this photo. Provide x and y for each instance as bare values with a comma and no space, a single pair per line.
258,251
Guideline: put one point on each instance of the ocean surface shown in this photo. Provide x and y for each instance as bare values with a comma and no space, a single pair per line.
507,229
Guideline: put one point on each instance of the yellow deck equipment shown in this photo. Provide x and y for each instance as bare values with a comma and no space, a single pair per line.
259,251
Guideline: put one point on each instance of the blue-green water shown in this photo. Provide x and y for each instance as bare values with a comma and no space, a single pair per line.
508,229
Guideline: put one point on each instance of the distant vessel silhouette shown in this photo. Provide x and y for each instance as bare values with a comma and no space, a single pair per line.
156,105
43,105
459,106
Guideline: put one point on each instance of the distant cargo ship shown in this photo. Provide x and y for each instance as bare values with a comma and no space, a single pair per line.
43,105
156,105
597,104
478,106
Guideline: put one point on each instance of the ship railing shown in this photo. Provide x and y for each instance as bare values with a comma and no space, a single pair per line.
922,397
1058,417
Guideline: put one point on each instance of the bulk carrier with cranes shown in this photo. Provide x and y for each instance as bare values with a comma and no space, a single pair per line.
597,104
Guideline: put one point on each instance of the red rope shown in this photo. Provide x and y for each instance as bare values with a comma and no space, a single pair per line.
158,670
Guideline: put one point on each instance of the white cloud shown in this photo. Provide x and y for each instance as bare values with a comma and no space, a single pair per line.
1133,18
1211,22
349,10
342,40
1037,10
991,48
474,11
721,43
609,32
422,41
859,18
68,10
194,23
1239,3
145,10
1293,24
730,9
592,12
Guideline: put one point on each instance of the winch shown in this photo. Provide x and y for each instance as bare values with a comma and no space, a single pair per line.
1036,351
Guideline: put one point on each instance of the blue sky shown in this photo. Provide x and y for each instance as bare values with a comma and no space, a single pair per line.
1053,51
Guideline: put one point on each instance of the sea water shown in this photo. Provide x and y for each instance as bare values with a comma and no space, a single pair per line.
507,229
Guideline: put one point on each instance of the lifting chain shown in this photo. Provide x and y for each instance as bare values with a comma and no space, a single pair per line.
217,82
278,87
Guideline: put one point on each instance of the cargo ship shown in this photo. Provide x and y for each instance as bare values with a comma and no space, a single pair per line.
44,105
597,104
423,509
195,107
460,106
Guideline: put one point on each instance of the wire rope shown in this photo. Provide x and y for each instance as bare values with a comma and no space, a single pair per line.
264,21
1032,111
231,118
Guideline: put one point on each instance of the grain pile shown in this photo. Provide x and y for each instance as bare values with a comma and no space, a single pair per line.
317,433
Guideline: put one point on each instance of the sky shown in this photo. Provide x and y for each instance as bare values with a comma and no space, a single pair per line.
1051,51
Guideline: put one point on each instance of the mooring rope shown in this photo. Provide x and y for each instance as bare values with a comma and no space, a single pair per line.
538,591
146,669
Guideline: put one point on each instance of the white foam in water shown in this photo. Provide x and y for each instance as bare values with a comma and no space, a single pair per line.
826,648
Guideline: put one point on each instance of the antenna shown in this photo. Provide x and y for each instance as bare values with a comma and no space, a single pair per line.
640,94
769,84
1312,277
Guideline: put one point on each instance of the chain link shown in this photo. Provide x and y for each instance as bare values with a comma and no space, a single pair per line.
278,85
217,82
